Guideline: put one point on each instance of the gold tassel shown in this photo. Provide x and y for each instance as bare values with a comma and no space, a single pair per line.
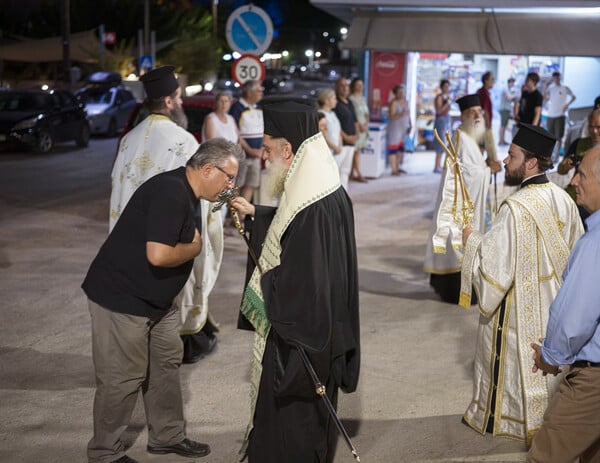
464,300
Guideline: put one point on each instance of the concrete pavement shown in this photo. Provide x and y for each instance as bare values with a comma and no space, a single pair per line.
416,351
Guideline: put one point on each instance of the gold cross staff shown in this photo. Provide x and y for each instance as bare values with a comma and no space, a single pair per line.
464,216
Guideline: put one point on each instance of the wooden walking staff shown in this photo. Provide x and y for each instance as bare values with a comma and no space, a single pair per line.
464,216
490,147
225,198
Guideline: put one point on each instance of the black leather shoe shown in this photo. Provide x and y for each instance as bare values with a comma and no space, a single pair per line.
186,448
197,346
125,459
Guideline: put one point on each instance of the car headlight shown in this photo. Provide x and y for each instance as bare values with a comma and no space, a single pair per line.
26,123
94,112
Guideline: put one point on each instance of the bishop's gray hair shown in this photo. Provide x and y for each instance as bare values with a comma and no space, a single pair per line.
215,151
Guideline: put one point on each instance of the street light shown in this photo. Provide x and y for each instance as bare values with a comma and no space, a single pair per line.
310,55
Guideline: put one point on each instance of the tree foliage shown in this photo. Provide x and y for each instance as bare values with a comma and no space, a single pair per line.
195,52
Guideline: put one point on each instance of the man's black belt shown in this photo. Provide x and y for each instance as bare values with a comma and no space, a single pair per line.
584,364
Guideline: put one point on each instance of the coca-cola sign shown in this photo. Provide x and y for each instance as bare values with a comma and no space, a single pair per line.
386,64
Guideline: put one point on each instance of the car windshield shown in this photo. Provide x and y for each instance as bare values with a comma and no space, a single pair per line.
97,97
25,101
195,117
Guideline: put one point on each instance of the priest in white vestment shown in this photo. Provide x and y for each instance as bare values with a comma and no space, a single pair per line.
515,269
444,251
157,144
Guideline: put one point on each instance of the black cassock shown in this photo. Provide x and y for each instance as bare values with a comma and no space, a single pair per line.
311,300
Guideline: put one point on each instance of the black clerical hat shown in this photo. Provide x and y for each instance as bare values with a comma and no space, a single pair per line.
535,139
291,120
468,101
160,82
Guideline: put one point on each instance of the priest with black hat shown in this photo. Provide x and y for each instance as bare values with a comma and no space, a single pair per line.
444,250
515,269
304,294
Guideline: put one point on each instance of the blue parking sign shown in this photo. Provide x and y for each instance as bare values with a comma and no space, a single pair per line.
249,30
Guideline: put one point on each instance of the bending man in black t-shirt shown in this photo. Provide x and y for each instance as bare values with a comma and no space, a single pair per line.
131,284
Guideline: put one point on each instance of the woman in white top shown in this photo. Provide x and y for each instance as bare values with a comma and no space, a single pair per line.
220,123
326,101
357,87
398,126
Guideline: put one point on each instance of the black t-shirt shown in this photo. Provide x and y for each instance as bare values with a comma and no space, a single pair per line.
345,113
527,105
120,277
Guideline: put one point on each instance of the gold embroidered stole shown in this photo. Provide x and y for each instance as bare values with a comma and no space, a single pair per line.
313,175
535,220
466,274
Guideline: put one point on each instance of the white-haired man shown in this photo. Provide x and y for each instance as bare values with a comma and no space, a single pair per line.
443,254
571,428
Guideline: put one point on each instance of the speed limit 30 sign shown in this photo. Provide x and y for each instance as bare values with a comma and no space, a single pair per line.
248,67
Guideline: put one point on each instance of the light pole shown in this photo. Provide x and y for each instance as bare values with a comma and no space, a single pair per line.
146,26
215,3
66,37
310,55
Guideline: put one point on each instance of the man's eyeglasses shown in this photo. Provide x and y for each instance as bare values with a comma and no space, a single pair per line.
230,178
594,127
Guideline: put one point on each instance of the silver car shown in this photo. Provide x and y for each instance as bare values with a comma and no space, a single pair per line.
108,109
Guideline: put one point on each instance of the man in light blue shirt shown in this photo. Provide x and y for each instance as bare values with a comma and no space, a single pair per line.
571,426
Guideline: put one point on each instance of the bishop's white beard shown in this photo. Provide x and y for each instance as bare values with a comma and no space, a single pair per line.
276,179
474,130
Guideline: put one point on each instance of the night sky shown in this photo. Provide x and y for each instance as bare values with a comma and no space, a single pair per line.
292,20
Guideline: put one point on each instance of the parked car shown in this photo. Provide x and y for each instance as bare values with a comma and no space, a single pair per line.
196,108
38,119
108,108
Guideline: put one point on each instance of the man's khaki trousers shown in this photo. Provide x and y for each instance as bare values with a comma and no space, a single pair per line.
571,426
132,353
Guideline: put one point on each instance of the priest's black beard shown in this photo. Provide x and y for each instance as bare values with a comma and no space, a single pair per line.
178,116
516,177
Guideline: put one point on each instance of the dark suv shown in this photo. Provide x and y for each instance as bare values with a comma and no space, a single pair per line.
38,119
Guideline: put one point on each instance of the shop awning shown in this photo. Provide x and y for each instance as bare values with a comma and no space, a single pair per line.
84,47
548,34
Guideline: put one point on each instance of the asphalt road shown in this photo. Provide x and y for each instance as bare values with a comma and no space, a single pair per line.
416,351
27,178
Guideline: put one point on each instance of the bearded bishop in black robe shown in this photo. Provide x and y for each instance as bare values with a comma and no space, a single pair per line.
306,297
